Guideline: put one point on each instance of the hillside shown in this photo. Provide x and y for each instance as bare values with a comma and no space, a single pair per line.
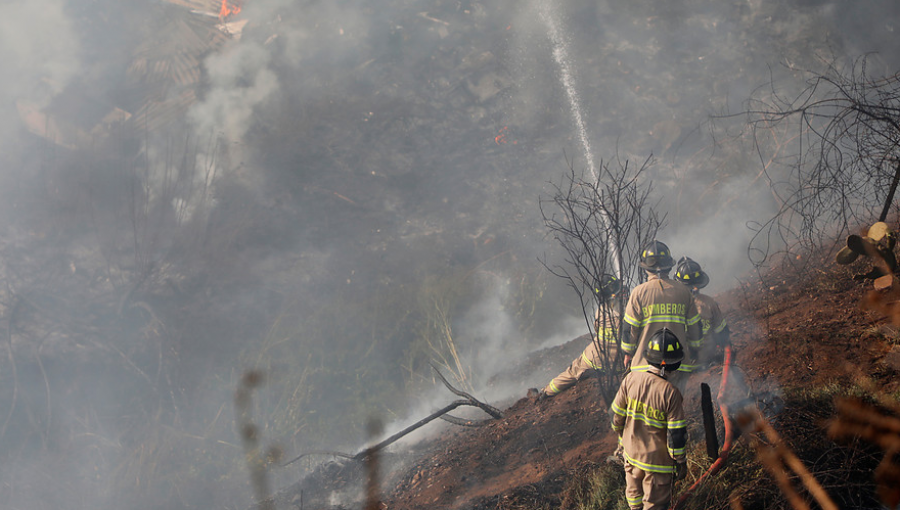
793,334
323,192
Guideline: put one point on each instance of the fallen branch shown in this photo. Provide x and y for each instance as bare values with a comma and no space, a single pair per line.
470,401
319,452
462,422
493,411
437,414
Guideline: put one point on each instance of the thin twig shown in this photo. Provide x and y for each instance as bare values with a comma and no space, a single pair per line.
12,359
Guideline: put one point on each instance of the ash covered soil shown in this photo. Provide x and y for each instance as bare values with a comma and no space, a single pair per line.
787,332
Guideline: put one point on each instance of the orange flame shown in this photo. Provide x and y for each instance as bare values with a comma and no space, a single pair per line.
226,10
501,138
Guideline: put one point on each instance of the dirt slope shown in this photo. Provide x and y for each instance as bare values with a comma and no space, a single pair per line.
786,333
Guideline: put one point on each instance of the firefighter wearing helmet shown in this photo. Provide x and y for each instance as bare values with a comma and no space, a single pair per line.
714,332
656,304
603,349
648,416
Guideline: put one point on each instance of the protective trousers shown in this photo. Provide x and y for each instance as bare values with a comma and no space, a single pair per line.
569,377
590,359
647,490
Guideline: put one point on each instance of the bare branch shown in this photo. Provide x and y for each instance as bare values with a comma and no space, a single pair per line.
601,225
838,142
440,413
493,411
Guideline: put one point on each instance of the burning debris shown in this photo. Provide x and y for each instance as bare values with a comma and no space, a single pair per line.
212,8
163,78
229,8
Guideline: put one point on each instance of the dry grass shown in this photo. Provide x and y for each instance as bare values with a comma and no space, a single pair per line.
780,462
599,487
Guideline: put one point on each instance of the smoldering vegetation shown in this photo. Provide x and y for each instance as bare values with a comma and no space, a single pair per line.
341,195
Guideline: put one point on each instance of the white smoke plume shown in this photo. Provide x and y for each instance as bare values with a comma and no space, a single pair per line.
39,49
647,74
240,82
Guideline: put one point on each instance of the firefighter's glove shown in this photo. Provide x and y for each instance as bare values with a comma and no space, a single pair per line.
680,470
617,457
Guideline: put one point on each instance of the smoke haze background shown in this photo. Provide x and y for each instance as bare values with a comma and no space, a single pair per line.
368,176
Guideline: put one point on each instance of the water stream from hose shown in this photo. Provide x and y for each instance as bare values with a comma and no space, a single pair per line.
560,47
560,51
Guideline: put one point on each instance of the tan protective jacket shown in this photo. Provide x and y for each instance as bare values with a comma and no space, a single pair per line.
607,321
712,323
593,356
655,304
648,415
607,333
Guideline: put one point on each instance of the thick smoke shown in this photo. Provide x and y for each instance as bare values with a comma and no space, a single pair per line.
40,50
40,55
359,165
240,81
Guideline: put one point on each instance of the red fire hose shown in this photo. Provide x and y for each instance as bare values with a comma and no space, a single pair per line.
729,437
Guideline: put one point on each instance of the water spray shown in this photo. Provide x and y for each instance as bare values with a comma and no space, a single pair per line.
561,56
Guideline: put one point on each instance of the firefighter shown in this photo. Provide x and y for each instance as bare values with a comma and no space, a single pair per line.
648,416
602,347
658,303
714,332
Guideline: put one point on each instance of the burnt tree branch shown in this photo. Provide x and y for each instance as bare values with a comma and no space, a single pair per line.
601,222
842,167
362,455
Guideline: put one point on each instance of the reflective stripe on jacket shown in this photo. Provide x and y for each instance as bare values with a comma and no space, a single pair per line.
712,322
649,417
602,350
655,304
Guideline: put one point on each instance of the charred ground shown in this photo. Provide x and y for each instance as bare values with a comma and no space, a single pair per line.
798,339
398,163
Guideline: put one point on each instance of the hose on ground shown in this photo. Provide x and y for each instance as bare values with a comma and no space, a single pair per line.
729,437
